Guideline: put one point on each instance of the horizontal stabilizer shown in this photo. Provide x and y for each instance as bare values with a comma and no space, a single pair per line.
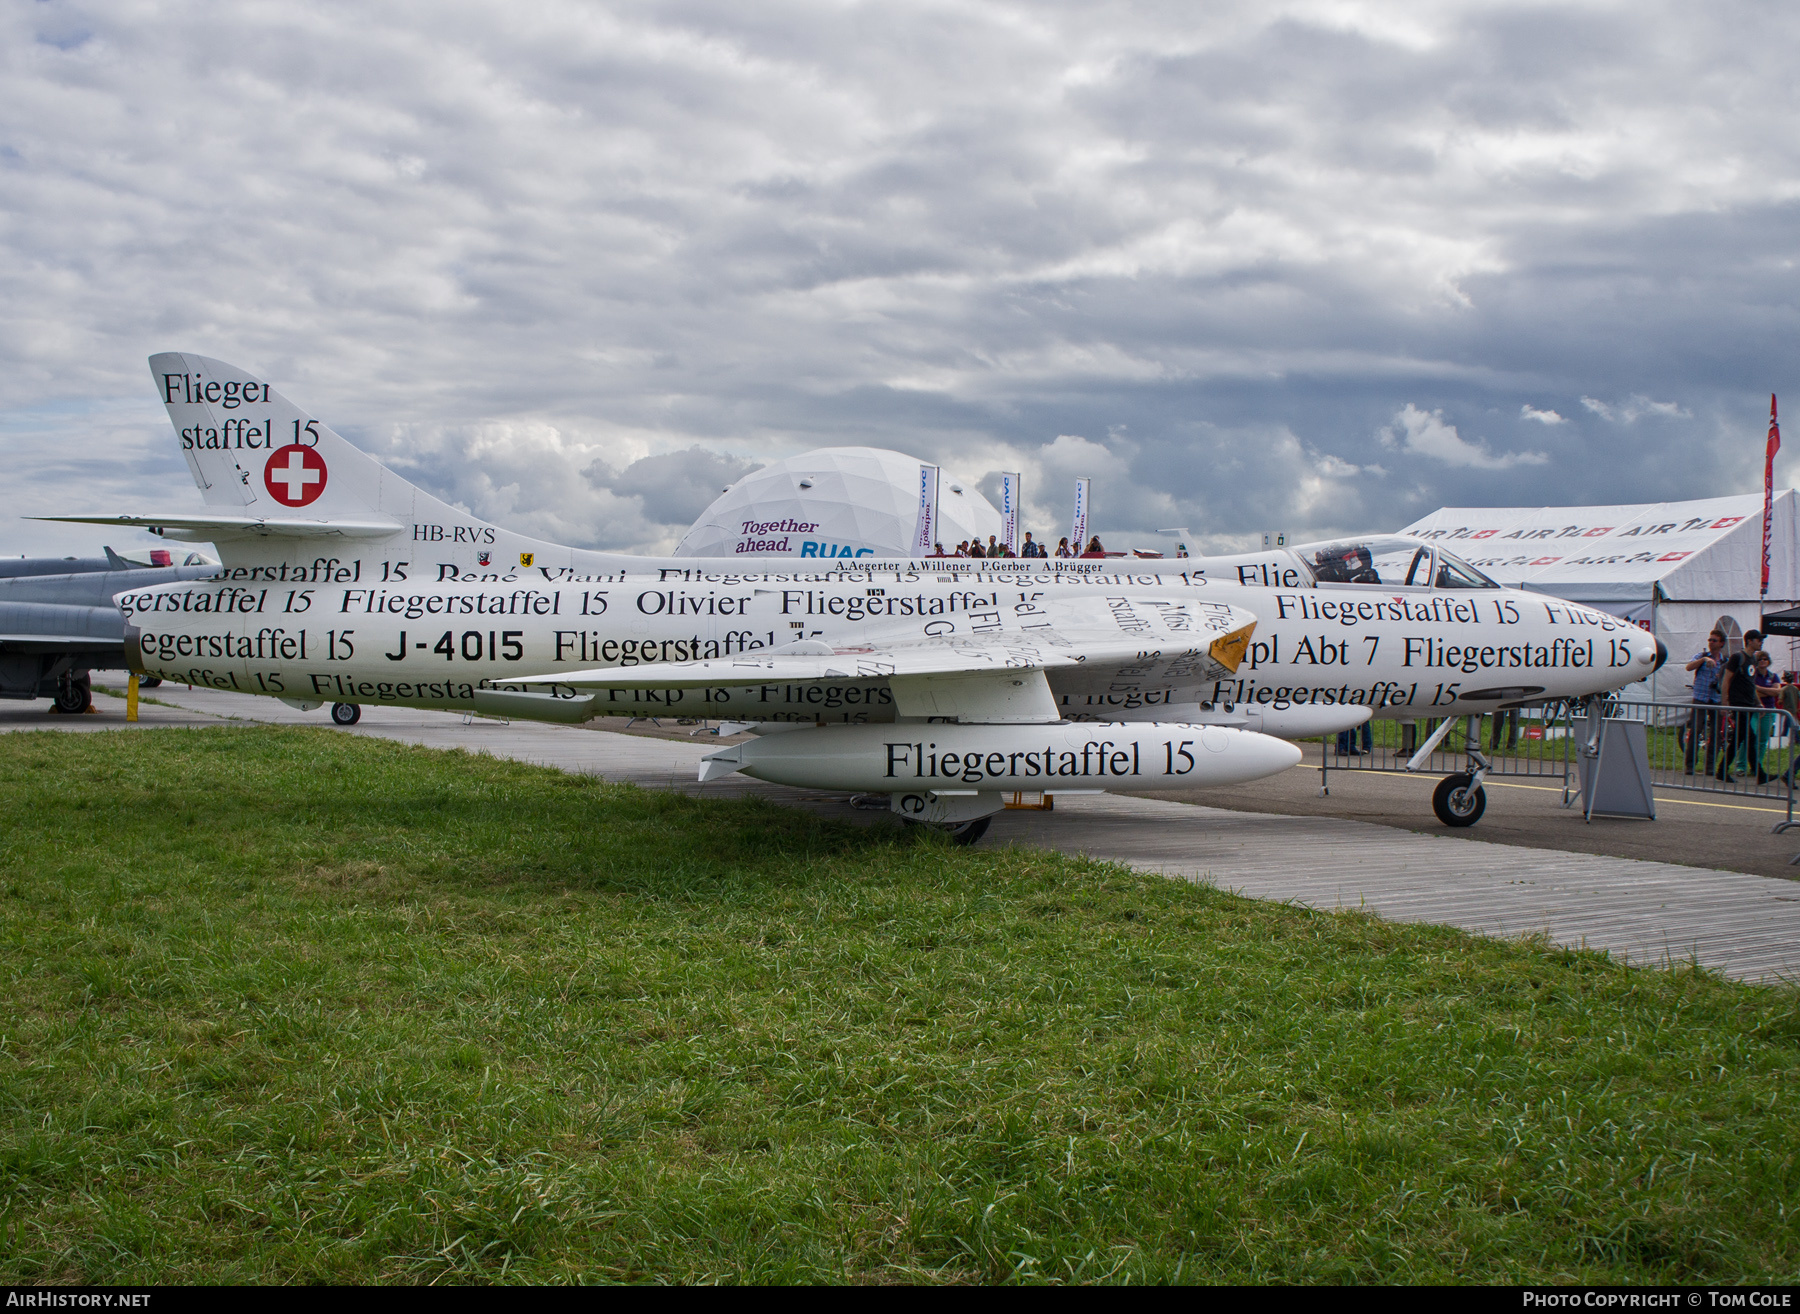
213,528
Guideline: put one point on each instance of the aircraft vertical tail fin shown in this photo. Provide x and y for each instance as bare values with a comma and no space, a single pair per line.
273,473
251,449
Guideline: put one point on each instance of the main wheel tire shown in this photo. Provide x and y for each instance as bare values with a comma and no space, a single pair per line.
969,831
1455,803
346,713
74,696
149,681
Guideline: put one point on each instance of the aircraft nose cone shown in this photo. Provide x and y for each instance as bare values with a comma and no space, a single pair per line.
1662,655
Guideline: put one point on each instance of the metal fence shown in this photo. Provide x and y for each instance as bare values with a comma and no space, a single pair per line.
1744,752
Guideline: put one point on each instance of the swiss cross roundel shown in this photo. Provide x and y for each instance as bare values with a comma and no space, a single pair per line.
295,475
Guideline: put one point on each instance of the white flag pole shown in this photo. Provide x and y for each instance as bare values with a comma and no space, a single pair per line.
1078,535
1010,485
925,529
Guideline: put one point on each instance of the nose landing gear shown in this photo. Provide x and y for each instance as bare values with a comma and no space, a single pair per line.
346,713
1459,800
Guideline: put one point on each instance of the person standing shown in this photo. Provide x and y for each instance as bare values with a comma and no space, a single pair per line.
1703,721
1737,690
1030,549
1093,548
1346,742
1768,689
1062,549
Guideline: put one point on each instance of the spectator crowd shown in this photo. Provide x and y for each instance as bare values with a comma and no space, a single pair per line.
1736,696
973,547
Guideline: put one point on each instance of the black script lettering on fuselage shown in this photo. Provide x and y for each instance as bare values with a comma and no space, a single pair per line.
1361,611
323,570
429,533
1558,654
517,602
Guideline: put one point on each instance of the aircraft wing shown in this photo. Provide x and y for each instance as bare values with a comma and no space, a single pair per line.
212,528
996,678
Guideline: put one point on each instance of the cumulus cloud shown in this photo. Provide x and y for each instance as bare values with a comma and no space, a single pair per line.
502,251
674,487
1428,434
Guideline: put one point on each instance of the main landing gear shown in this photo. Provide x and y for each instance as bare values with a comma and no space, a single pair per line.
968,832
74,694
346,713
963,817
961,832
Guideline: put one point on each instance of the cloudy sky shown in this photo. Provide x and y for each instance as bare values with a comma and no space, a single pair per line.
1308,266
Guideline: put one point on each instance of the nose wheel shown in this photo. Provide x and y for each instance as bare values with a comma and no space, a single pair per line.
346,713
1458,800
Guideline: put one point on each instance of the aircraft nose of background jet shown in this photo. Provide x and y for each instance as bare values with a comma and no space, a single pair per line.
1662,655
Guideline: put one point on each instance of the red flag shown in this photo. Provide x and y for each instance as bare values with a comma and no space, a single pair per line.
1769,488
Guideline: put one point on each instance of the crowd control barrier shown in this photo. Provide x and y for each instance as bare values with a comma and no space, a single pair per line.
1747,753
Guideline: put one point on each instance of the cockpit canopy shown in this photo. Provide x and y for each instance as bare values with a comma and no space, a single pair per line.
1389,563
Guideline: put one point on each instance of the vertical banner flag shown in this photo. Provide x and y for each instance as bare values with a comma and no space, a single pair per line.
1774,445
1078,535
1009,512
926,530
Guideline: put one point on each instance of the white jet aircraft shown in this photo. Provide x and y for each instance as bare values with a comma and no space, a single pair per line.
945,684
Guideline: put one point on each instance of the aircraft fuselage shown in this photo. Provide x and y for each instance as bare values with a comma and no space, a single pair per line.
1403,652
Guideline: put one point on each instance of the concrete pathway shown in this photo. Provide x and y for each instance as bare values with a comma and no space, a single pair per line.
1741,925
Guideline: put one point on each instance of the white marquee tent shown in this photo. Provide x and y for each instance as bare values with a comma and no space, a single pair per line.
834,502
1676,568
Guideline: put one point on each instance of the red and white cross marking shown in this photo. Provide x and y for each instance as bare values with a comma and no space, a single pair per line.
295,475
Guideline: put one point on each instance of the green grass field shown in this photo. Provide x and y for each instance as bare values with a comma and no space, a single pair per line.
287,1005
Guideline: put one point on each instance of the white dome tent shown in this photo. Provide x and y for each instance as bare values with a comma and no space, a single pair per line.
1675,568
834,502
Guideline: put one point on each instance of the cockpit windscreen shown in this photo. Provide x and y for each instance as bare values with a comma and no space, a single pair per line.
1390,563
